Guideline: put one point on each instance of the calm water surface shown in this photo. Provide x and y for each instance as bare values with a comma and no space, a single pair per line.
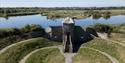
20,21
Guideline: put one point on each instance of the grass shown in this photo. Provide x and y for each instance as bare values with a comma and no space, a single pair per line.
112,49
119,28
21,49
4,42
119,37
49,55
9,36
86,55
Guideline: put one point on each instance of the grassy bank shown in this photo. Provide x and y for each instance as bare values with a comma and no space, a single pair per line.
86,55
111,48
4,32
119,37
119,28
9,36
21,49
50,55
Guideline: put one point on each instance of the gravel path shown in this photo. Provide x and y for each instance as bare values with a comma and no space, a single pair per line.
68,56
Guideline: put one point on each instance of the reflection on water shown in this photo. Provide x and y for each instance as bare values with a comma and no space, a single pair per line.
20,21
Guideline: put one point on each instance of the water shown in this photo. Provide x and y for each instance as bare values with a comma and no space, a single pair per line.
20,21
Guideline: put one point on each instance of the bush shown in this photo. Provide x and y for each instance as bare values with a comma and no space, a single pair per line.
35,27
25,29
103,28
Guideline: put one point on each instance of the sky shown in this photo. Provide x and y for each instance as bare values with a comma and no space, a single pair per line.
61,3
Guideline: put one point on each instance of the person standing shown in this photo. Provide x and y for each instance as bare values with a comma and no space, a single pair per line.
68,34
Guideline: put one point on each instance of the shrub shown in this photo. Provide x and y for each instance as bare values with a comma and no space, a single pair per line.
25,29
103,28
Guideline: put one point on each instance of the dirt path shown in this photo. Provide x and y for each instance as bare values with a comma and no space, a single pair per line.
113,60
68,56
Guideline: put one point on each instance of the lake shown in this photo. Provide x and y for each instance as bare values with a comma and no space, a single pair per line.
20,21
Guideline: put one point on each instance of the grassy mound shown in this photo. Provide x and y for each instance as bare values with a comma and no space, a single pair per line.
119,28
21,49
86,55
119,37
49,55
112,49
9,36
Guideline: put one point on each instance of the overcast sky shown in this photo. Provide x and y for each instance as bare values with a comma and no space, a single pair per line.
61,3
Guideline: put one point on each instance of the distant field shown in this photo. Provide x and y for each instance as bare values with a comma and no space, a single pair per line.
77,13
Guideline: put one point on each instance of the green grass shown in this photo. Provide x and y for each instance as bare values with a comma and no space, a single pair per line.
119,37
119,28
112,49
49,55
6,29
21,49
86,55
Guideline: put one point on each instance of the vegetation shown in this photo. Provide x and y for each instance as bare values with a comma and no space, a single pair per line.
119,28
10,40
111,48
49,55
15,31
108,28
62,12
86,55
119,37
12,35
103,28
21,49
